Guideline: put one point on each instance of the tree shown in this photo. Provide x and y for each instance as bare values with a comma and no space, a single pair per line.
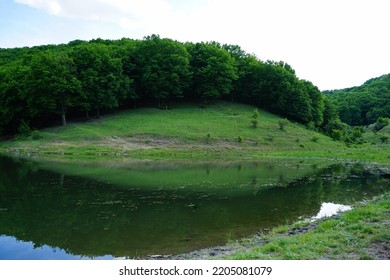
316,101
330,115
51,85
163,69
213,71
292,100
101,76
13,108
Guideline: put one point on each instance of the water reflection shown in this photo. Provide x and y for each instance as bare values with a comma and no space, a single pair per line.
14,249
330,209
138,209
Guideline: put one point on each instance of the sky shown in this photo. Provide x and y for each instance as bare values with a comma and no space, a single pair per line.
332,43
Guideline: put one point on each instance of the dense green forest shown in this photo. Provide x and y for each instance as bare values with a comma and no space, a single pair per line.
365,104
46,85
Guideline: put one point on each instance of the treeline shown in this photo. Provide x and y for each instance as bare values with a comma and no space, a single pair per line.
83,79
365,104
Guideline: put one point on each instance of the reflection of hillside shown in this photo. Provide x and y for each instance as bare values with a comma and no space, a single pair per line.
173,174
92,218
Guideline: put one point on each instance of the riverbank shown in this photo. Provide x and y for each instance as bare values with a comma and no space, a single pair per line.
361,233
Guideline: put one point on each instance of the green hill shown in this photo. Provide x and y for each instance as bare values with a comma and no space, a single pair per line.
364,104
187,131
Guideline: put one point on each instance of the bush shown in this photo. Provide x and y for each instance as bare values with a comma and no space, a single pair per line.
208,137
282,124
254,122
311,126
315,138
336,135
24,129
36,135
381,123
255,118
384,139
357,134
240,139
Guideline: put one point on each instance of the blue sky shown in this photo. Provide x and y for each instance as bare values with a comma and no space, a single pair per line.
333,43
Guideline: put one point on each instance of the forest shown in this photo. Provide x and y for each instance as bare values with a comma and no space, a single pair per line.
52,84
365,104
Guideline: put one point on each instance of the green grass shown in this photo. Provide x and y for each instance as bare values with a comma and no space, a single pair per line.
357,234
223,130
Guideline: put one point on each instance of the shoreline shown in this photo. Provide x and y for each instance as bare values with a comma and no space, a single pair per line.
376,250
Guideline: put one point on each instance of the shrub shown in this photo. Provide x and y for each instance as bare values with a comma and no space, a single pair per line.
282,124
315,138
24,129
208,137
381,123
384,139
254,123
240,139
336,134
255,118
311,126
36,135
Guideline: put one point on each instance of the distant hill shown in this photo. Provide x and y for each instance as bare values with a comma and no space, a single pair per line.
363,105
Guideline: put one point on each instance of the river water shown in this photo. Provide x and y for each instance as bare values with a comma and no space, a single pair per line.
129,209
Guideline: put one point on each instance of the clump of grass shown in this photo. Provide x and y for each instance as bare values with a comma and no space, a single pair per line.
208,137
240,139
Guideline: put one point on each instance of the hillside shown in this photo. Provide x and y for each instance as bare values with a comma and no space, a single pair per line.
186,131
363,105
44,85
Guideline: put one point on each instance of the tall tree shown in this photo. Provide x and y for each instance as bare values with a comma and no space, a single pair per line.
51,85
163,69
316,100
100,75
13,108
213,69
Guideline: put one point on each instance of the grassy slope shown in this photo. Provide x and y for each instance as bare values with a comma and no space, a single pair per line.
183,133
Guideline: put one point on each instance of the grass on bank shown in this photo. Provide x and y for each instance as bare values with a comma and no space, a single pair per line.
361,233
188,131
